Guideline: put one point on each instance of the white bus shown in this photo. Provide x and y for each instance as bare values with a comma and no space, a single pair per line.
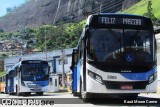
28,76
116,54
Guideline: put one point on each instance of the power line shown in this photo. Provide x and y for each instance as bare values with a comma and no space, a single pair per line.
98,8
136,7
104,9
93,11
110,6
114,10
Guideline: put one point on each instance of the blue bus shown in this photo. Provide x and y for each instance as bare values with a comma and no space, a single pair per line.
116,54
28,76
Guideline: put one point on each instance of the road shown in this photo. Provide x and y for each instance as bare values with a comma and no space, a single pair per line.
66,99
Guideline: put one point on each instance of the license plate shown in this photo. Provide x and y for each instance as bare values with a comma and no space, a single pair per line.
37,89
126,87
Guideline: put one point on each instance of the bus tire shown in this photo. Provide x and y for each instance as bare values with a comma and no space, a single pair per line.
26,93
129,96
39,93
84,95
75,94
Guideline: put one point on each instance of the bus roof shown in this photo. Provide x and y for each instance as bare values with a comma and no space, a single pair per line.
107,19
26,62
93,21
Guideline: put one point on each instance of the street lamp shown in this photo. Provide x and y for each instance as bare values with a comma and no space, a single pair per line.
45,39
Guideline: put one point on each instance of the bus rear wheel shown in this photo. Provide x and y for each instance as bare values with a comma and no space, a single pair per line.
39,93
27,94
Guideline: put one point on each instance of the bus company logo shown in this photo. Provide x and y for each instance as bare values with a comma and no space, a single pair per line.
111,77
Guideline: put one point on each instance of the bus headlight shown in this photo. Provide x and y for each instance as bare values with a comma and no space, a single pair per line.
22,82
95,76
91,74
98,78
151,79
155,75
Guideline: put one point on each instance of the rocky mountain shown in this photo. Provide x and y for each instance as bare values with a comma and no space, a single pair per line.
40,12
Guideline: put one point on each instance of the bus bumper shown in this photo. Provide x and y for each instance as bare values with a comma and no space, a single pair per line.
94,86
32,90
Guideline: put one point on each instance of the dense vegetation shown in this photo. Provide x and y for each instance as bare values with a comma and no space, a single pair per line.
2,73
57,37
60,36
146,8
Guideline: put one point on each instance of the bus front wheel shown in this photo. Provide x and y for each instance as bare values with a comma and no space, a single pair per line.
39,93
129,96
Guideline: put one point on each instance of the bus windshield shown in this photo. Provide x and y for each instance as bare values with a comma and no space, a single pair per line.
35,72
121,45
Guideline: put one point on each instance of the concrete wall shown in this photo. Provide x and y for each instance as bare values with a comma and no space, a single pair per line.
58,68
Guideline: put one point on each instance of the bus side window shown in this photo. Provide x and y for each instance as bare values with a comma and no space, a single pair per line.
79,54
80,50
16,71
75,58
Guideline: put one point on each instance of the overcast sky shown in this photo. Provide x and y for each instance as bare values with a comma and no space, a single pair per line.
9,3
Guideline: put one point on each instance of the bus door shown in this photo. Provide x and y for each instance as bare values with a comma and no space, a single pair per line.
11,82
74,70
6,87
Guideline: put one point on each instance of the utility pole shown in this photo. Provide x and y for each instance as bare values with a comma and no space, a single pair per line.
100,6
22,27
63,62
45,43
45,39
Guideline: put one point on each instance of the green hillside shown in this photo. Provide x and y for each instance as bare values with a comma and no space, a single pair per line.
141,7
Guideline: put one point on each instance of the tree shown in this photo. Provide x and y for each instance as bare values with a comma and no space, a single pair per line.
150,13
